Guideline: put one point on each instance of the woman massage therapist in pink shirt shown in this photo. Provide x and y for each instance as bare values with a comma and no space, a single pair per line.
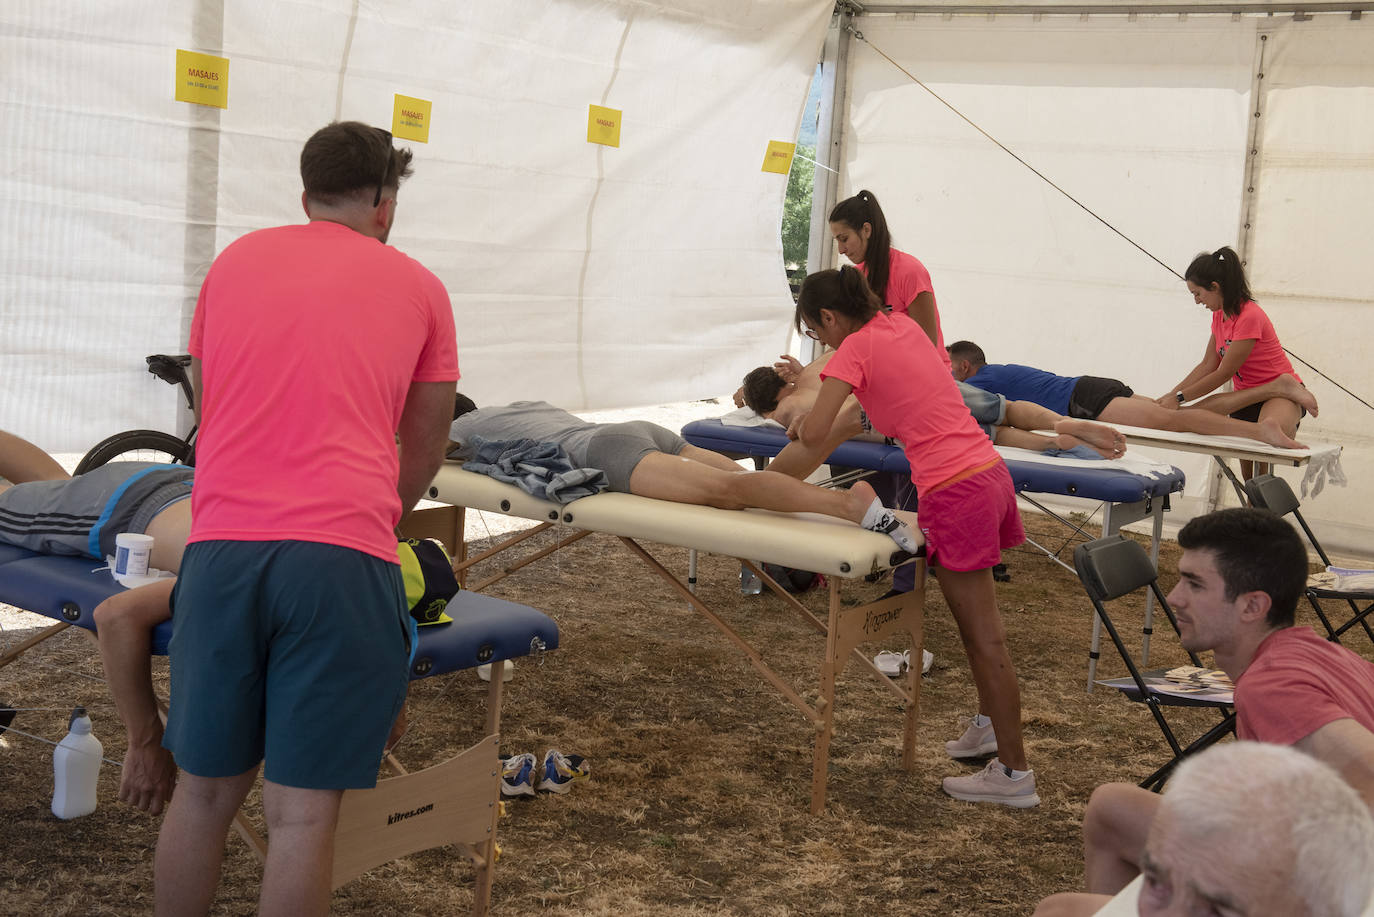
968,505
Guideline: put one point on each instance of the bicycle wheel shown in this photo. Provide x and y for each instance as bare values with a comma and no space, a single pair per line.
137,446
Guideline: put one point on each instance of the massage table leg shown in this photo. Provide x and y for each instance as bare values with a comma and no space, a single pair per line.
847,628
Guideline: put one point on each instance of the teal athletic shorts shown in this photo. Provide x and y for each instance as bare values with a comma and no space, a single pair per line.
289,651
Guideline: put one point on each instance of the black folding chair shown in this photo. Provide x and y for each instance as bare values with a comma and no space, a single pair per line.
1273,493
1110,568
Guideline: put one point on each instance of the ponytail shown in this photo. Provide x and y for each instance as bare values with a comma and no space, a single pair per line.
1223,268
854,212
844,292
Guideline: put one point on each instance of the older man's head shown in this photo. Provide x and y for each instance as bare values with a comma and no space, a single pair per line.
1254,830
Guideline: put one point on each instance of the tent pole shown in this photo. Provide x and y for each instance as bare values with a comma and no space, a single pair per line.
825,190
202,180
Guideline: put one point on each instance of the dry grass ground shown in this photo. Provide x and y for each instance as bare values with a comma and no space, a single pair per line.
698,802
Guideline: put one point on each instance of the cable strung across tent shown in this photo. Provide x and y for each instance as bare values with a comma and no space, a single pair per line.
1085,208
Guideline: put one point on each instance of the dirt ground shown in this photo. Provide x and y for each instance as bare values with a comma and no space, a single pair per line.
698,800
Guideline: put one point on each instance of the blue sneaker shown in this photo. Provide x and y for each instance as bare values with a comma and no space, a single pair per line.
517,775
562,771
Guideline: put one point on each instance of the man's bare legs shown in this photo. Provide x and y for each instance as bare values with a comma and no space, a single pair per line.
296,879
1026,415
190,845
702,478
1284,386
21,461
972,599
1139,411
1115,827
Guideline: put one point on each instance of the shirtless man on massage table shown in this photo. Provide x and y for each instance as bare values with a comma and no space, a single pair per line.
645,459
1097,398
786,391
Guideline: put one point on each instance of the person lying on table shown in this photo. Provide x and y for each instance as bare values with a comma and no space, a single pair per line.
786,391
645,459
1098,398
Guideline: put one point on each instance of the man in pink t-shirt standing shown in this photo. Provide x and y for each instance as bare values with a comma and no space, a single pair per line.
324,370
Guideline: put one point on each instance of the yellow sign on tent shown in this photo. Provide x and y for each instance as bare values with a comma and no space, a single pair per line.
410,119
603,125
778,158
202,79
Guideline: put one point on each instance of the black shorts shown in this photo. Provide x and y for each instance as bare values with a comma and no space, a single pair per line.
1251,412
1092,394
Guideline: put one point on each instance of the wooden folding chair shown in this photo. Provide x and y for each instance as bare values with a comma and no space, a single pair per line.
1273,493
1110,568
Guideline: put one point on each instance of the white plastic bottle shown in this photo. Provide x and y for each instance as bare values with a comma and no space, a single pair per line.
75,769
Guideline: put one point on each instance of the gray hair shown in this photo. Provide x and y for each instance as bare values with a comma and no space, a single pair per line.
1258,793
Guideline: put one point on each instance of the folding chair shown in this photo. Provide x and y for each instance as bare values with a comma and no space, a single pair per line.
1273,493
1110,568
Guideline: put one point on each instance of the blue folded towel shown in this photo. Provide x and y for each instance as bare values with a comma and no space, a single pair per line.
541,469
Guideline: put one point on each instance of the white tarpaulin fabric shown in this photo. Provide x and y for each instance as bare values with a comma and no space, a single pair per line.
1145,120
583,274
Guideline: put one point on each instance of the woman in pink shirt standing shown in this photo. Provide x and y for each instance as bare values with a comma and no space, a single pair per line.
968,505
900,281
1244,348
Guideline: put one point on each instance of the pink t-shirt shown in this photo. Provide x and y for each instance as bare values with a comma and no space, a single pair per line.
309,338
1267,361
908,278
1298,683
908,393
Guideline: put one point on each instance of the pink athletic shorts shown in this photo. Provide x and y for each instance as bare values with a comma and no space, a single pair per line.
969,522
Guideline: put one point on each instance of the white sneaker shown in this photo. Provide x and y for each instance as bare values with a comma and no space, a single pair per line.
976,741
994,784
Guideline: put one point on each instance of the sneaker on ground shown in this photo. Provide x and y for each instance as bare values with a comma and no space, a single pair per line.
992,784
976,741
562,771
881,519
517,774
927,660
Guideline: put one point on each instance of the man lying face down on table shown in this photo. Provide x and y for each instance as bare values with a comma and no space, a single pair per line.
647,460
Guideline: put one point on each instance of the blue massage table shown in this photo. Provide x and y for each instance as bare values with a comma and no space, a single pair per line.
462,793
1129,491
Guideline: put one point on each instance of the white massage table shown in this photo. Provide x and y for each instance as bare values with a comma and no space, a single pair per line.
811,542
1221,448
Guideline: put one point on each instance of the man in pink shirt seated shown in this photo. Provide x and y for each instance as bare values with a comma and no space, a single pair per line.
324,369
1241,575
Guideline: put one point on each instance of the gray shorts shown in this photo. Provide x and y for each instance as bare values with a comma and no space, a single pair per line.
617,448
83,515
988,409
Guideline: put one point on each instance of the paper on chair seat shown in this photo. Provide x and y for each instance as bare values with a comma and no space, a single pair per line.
806,541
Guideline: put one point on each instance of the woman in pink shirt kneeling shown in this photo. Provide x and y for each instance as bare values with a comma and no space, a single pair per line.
967,505
1243,347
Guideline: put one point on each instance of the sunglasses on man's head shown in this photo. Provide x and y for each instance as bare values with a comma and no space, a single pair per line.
386,168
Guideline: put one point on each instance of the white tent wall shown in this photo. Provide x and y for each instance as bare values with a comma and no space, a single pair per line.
1146,120
1314,191
591,276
